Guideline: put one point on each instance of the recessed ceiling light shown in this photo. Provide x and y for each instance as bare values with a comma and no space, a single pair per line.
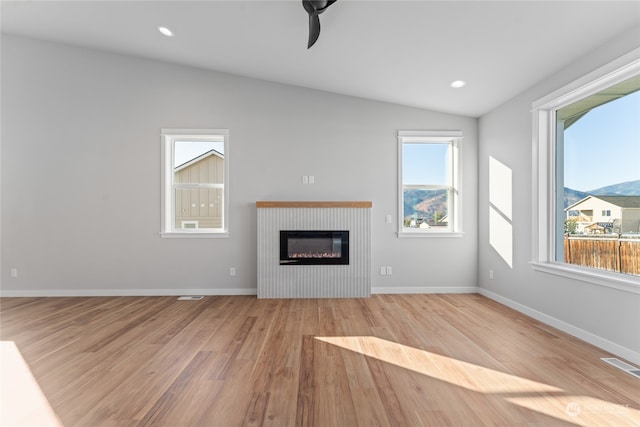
164,30
458,83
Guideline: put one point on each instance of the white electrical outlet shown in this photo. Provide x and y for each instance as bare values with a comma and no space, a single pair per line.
232,271
14,272
312,179
388,219
389,271
305,179
383,271
491,274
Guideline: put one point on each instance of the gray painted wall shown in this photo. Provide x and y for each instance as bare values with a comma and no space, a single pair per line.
81,141
607,317
80,130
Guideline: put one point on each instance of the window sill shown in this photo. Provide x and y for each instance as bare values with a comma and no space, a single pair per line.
419,234
622,282
195,235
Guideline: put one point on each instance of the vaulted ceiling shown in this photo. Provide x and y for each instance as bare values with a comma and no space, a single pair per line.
404,52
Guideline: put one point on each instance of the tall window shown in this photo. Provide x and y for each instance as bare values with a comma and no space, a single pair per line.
607,123
429,183
587,224
195,182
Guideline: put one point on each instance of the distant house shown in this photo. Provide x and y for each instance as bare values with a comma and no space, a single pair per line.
200,207
606,214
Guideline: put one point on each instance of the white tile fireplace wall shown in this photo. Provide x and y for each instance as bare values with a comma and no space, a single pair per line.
314,281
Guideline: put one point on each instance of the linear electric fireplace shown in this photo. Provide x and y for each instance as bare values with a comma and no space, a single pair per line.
314,247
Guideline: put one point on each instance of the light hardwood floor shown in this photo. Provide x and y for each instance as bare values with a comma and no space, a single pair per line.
390,360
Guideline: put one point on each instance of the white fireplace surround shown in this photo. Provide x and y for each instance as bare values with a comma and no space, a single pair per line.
314,281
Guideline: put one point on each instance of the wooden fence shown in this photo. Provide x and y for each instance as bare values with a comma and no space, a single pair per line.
612,253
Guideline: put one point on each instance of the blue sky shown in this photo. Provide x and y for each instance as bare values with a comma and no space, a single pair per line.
187,150
603,147
414,169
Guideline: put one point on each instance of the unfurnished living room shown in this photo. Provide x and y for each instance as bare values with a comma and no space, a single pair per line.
319,213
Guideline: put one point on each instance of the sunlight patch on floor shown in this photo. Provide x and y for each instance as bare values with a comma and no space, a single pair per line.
22,402
523,392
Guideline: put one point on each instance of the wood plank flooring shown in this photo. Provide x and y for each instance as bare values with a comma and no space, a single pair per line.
389,360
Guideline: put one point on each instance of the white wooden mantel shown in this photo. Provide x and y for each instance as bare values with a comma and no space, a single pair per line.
314,281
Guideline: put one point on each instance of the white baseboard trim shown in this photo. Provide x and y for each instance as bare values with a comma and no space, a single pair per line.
10,293
124,292
427,290
593,339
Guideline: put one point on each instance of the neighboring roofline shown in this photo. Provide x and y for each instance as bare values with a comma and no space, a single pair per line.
568,208
197,159
617,197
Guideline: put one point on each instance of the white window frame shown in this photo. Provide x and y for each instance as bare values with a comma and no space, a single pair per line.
546,204
454,138
169,138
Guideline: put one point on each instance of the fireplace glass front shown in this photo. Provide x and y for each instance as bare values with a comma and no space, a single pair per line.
314,247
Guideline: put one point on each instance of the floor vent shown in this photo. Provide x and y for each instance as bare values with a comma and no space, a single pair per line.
191,298
622,365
